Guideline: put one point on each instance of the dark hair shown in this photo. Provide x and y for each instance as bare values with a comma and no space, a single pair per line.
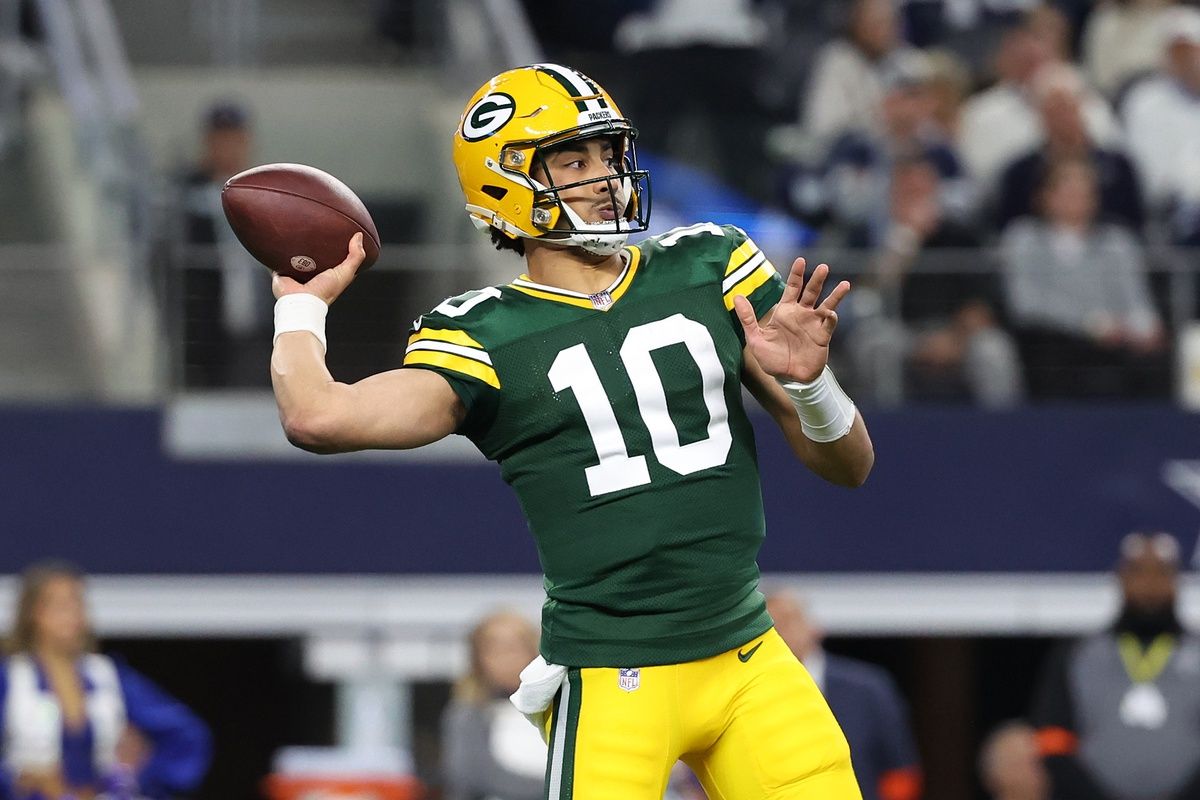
226,115
33,582
505,242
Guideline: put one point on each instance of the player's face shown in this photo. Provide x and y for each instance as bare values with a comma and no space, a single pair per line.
59,617
585,160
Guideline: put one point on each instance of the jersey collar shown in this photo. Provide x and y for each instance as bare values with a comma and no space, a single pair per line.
601,301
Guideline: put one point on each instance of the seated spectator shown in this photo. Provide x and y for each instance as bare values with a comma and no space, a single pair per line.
489,750
865,701
1121,42
1001,124
1060,96
845,91
77,723
860,162
1118,712
1162,120
940,340
1010,766
1079,297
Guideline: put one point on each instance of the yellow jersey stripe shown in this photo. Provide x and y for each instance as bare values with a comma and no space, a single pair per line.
740,256
748,284
450,361
451,336
582,302
635,257
579,299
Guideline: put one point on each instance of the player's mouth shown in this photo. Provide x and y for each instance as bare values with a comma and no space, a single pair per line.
606,213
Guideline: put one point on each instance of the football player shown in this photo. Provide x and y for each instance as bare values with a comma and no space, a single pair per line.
606,382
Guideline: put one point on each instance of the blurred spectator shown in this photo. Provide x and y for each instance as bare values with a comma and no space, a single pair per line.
1049,24
77,723
693,68
489,750
1079,296
949,85
1001,124
1122,42
860,162
1010,766
941,340
1060,97
225,294
1118,713
845,92
865,701
1162,120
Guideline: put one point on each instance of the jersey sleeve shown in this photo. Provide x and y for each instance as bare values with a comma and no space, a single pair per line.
445,341
749,273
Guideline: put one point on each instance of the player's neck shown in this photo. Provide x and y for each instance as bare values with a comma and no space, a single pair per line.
572,268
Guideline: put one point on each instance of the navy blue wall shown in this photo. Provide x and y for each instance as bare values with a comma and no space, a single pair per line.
1044,490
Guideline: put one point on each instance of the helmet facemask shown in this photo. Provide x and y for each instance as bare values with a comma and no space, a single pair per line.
629,190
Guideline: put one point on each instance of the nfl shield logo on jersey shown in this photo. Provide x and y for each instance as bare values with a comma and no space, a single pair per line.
629,679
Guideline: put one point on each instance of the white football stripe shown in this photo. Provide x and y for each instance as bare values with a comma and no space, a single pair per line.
560,741
581,87
447,347
743,271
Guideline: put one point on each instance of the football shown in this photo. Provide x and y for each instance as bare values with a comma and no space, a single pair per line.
297,220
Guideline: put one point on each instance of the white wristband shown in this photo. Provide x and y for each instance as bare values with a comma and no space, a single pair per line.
826,411
301,312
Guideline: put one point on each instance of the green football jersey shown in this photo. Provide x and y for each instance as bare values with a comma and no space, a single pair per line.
618,419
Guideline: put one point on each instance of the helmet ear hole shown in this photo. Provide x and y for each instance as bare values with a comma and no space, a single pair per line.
495,192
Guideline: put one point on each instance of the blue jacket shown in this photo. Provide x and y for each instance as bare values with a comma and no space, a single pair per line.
180,741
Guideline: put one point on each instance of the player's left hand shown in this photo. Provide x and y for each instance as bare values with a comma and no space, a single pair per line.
793,343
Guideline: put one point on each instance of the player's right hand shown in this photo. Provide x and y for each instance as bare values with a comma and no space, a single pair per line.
327,285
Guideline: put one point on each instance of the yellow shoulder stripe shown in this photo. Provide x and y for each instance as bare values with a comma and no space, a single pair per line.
635,257
450,361
740,256
451,336
748,284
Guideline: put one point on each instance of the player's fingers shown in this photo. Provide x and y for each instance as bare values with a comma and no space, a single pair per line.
745,313
812,291
281,285
354,254
795,282
836,296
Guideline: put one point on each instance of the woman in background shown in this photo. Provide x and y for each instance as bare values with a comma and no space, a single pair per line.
489,750
77,725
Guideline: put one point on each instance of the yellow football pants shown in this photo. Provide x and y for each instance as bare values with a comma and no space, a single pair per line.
750,723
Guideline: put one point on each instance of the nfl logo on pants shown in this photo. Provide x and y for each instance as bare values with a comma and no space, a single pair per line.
629,679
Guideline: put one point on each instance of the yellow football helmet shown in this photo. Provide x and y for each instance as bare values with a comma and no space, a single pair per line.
508,125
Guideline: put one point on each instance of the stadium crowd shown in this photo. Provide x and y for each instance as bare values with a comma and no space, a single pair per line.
1011,175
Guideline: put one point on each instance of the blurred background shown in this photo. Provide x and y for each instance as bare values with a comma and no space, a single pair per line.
1012,186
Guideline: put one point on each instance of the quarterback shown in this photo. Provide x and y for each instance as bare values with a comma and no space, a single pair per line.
606,383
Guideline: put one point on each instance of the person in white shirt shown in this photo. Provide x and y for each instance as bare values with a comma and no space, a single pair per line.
1162,120
1122,41
1002,123
845,92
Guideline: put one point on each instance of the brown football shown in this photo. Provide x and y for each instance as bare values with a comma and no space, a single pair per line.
297,220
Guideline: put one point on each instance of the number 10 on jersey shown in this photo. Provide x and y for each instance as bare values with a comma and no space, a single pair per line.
573,369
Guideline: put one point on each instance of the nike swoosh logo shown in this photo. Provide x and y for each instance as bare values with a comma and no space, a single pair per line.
746,656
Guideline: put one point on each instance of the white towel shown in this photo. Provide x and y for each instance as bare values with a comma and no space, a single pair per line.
540,681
